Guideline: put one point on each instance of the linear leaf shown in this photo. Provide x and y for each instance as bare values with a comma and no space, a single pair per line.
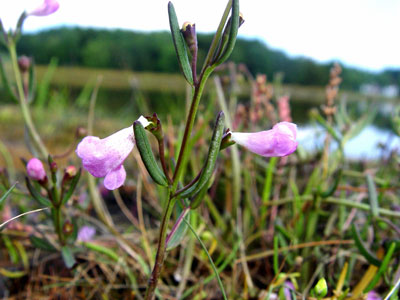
209,166
147,155
4,197
179,43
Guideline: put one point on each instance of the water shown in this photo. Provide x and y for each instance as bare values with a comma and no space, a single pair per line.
372,143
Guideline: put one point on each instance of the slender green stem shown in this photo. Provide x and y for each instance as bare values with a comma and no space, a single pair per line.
58,224
24,104
183,153
159,261
189,125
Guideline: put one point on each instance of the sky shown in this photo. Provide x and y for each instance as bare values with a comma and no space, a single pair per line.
358,33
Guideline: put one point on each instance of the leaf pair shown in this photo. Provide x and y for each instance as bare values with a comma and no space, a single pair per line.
221,47
197,189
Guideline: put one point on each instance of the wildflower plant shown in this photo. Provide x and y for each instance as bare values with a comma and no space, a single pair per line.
104,157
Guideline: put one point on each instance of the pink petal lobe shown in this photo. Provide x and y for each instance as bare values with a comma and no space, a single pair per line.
115,178
48,7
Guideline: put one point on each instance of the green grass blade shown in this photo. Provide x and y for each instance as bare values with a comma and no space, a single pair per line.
382,268
210,260
4,197
364,251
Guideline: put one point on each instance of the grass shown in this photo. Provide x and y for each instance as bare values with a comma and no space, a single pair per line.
285,222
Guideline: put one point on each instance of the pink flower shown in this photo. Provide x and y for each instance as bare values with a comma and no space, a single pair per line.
279,141
86,233
372,295
46,8
35,169
104,157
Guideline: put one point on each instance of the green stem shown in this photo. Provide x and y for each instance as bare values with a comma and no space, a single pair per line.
189,125
183,153
58,224
24,104
159,261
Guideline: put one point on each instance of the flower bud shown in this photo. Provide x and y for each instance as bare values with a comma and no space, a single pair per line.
241,19
24,63
80,132
71,171
53,167
68,228
189,33
35,170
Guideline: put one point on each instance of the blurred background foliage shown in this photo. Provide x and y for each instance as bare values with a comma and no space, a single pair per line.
153,52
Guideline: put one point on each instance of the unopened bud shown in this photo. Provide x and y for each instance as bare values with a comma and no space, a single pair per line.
53,167
241,19
35,170
70,171
68,228
24,63
81,132
189,33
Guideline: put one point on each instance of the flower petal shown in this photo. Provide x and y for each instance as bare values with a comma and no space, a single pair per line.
101,156
48,7
115,178
279,141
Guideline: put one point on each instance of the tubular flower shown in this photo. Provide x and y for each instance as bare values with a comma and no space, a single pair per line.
279,141
104,157
35,169
48,7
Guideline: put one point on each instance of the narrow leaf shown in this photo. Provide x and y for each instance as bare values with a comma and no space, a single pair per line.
179,43
4,197
317,117
180,232
209,166
382,268
372,196
42,244
234,27
147,155
6,83
364,251
12,274
329,192
36,195
72,187
68,257
221,286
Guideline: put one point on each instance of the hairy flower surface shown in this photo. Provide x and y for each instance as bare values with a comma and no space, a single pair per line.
279,141
104,157
35,169
48,7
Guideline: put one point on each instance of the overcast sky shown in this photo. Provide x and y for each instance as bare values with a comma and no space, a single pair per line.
360,33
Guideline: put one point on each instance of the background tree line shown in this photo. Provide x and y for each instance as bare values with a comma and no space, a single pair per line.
139,51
